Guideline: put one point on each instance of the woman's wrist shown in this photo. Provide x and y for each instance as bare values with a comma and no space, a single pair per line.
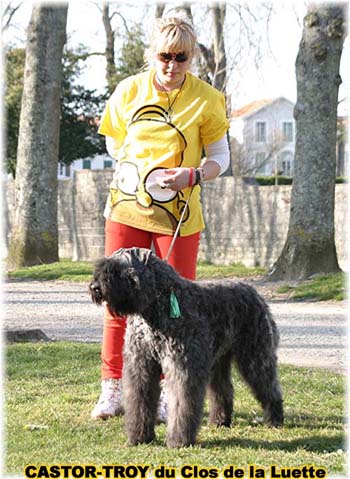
195,176
199,176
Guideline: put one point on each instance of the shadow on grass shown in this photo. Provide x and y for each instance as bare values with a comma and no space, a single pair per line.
295,421
316,444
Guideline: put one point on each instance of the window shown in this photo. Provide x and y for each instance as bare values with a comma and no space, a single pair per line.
107,164
261,131
287,163
86,164
287,131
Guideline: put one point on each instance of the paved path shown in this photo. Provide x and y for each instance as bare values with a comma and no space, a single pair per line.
312,334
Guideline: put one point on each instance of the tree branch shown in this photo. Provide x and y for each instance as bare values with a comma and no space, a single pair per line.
10,11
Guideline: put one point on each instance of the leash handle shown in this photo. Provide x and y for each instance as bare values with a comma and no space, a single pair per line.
177,231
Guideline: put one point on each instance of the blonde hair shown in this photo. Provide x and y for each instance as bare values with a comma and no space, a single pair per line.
172,34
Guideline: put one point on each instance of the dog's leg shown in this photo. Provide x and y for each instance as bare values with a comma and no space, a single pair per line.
260,372
186,393
141,393
220,392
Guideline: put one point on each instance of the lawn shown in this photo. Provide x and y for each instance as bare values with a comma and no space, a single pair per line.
52,387
77,271
321,288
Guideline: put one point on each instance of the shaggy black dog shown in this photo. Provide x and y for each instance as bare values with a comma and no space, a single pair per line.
192,332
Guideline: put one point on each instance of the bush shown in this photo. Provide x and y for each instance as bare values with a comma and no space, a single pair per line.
281,180
341,179
270,180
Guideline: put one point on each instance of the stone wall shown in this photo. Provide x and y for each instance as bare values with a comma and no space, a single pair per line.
248,224
245,223
80,214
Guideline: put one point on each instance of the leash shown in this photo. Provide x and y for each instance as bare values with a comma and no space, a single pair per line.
177,231
174,307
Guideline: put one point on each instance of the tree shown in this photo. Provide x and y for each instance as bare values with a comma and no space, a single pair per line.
8,12
131,59
79,108
212,60
14,70
310,246
244,161
160,7
109,51
212,64
234,27
34,236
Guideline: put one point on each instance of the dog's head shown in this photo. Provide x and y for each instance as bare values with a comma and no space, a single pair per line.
117,280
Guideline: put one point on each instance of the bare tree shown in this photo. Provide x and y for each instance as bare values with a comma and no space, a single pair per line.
212,61
34,236
129,39
310,246
160,9
218,12
9,11
109,52
244,160
234,28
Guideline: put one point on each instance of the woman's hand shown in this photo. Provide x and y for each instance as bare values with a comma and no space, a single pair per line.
176,179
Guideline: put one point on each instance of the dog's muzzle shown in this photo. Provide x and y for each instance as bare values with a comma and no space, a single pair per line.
96,293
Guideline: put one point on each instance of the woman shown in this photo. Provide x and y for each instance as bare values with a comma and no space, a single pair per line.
156,124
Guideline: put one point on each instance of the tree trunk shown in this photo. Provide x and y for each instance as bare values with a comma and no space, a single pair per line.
160,9
34,236
212,66
219,77
110,37
310,246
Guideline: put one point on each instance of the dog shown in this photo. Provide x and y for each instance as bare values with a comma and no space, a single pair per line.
191,332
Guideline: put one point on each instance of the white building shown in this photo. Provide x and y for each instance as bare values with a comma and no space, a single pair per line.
264,135
98,162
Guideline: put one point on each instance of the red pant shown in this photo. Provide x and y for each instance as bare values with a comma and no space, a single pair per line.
183,258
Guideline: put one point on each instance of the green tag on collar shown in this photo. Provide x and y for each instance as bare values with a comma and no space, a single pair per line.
174,306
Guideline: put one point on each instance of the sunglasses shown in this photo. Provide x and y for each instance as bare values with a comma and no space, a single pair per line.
177,57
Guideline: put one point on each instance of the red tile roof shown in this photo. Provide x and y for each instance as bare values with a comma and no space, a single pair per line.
250,108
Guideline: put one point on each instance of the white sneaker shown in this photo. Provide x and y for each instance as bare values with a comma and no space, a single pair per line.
162,412
110,401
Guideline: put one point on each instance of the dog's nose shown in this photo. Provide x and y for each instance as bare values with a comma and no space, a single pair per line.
95,287
95,292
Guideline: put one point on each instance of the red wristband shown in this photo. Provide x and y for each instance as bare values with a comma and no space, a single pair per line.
191,177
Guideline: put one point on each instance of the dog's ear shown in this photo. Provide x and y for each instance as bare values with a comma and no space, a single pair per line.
132,276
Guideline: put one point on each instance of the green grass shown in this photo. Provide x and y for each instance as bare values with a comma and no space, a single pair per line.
320,288
65,270
52,387
81,271
237,270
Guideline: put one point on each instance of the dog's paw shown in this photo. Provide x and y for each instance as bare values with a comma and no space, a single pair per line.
219,420
135,441
172,443
275,422
273,414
